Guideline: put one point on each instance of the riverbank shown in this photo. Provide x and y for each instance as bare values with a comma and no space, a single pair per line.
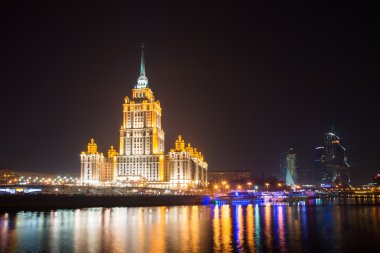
43,201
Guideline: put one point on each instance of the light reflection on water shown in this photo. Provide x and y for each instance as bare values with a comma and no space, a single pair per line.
226,228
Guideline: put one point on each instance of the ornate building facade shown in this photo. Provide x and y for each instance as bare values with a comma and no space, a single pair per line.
96,168
92,164
186,166
141,157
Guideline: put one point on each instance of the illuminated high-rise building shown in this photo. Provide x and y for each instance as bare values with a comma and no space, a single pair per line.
336,160
331,162
288,167
141,158
321,174
142,138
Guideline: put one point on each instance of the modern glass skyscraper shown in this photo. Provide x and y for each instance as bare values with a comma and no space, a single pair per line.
288,167
331,162
321,174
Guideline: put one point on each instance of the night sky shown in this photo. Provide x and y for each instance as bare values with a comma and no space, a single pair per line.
241,83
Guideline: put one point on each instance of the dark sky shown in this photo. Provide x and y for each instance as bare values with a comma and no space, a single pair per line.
242,83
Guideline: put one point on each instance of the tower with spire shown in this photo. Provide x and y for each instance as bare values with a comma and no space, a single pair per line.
142,81
141,135
141,159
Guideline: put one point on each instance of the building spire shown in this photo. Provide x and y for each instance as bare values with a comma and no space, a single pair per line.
142,66
142,81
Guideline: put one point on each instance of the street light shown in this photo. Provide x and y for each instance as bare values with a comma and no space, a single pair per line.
224,184
249,184
267,185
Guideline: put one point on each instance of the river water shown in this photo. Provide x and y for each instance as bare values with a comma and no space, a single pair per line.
306,227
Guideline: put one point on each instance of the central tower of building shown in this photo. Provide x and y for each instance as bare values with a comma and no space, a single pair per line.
142,138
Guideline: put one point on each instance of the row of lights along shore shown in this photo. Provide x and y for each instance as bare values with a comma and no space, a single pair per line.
226,186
